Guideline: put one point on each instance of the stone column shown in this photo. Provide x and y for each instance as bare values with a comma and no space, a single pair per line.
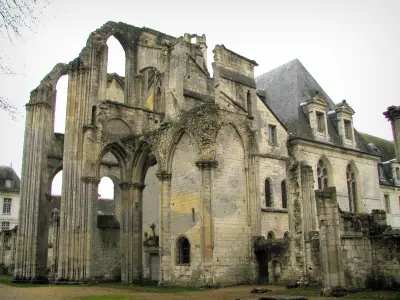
207,241
330,243
88,227
31,256
393,115
165,228
308,195
131,232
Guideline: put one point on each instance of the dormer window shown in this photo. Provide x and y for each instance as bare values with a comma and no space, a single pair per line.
8,183
320,122
347,129
344,117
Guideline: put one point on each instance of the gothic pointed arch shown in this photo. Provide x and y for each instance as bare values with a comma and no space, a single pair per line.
324,173
353,187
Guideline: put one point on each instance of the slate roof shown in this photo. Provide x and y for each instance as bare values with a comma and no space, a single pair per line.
8,173
382,147
289,85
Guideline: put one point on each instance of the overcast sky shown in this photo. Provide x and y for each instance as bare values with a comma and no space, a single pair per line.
351,48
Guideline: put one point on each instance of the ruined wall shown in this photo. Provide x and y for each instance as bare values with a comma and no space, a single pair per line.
185,199
231,215
107,255
114,91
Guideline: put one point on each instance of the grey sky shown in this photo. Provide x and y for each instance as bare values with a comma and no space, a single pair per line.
350,47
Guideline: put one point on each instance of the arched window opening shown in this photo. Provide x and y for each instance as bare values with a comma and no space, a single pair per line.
183,251
249,110
152,89
322,173
56,184
105,202
60,105
352,188
271,235
286,235
268,193
94,114
284,194
116,57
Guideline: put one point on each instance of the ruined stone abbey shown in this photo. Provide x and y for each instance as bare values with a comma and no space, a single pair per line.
219,180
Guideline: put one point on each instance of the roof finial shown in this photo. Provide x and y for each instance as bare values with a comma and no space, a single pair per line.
10,164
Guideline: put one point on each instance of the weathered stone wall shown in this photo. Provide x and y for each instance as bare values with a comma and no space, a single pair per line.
185,208
114,91
230,211
393,215
107,256
366,172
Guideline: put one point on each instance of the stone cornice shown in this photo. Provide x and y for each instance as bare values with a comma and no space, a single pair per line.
266,155
129,185
29,106
207,164
392,113
164,176
90,179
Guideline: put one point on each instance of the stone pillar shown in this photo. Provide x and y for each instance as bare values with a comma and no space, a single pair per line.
308,195
165,228
131,232
393,115
330,243
31,256
207,240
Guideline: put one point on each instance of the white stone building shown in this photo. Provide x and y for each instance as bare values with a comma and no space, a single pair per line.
9,198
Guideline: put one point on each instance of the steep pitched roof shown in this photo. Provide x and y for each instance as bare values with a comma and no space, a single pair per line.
383,147
289,85
8,173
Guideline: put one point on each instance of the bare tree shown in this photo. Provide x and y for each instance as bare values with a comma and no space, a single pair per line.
16,16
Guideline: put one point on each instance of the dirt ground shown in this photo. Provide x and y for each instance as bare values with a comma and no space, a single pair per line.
8,292
70,292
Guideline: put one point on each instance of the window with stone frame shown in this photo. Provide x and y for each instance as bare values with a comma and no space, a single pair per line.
7,206
380,170
284,194
322,173
352,188
5,225
272,134
320,122
347,129
386,200
268,193
183,251
398,173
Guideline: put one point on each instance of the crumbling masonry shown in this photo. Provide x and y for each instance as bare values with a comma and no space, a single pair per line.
214,180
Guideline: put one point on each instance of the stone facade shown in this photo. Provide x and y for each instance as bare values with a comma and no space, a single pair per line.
214,179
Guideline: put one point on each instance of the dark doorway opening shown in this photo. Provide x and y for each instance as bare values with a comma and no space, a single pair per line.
262,259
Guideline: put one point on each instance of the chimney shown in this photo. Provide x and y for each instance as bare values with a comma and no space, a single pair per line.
201,41
393,115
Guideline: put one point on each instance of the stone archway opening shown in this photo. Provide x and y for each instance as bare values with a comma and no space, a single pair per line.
107,235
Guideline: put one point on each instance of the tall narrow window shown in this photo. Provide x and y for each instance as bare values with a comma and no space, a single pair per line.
398,173
284,195
268,193
249,111
183,251
94,108
352,189
387,203
322,174
7,206
272,134
320,122
347,129
380,170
